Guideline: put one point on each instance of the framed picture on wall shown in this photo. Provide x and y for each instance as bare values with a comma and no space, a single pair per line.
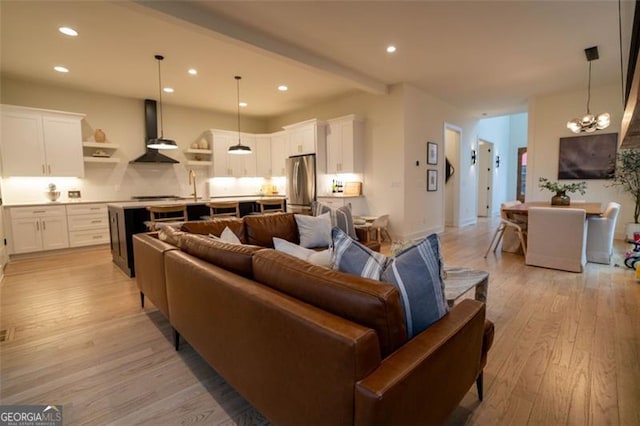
432,180
432,153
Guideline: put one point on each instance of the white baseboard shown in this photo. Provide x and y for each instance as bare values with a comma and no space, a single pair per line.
468,221
420,234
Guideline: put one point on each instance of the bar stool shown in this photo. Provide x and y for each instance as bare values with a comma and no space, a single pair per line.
224,208
271,206
166,215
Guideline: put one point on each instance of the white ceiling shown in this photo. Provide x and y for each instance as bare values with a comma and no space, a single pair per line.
487,57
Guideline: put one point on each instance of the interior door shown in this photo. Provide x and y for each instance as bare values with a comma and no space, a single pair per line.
521,185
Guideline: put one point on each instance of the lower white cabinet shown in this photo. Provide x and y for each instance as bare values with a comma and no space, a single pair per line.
38,229
88,224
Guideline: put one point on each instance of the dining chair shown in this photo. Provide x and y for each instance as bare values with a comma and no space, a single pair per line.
166,215
379,226
600,231
557,238
224,209
514,223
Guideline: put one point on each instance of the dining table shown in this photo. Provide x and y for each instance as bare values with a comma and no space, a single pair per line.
592,209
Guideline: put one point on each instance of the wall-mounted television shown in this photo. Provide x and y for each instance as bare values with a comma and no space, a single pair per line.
587,157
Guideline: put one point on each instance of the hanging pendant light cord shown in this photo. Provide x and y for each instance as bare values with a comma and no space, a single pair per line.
159,58
238,98
589,90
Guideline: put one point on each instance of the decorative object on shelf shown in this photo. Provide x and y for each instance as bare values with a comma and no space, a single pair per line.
432,180
432,153
195,145
239,149
161,142
52,195
627,177
100,153
561,198
449,170
99,135
590,123
203,144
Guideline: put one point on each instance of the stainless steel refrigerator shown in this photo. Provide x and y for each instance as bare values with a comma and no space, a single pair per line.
301,183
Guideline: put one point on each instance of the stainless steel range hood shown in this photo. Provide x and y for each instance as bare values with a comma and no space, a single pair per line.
151,131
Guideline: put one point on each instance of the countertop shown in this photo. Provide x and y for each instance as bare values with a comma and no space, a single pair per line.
339,196
59,203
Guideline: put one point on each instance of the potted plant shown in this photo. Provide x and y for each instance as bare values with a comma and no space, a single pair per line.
627,177
561,198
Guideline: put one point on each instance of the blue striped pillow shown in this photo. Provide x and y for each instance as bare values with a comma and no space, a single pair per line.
417,273
353,258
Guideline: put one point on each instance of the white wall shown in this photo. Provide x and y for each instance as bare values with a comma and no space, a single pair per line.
122,119
548,116
452,152
496,131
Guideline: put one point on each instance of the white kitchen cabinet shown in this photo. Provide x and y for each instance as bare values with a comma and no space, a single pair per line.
345,143
307,137
263,156
38,228
279,153
229,165
88,224
41,142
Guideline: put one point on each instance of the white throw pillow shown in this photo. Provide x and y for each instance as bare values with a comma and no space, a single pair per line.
228,236
315,231
321,258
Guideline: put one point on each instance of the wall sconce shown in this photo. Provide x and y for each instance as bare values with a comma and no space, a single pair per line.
497,161
474,156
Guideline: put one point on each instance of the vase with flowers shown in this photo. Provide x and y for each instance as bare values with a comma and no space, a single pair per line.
561,198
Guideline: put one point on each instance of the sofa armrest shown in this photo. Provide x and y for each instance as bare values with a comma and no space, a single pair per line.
148,253
422,382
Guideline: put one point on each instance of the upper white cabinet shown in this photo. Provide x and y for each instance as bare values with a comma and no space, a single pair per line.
306,137
279,153
263,156
229,165
39,142
345,143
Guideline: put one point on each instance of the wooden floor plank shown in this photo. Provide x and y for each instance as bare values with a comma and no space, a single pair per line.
566,347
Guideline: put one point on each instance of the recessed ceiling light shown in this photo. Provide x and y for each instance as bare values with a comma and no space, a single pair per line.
193,71
68,31
243,104
61,68
283,88
391,48
168,90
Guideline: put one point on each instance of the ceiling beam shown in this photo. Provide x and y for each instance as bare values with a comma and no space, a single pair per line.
198,15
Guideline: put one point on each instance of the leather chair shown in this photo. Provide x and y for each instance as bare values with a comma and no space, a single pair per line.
557,238
600,235
515,224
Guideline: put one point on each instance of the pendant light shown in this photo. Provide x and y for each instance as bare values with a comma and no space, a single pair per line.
239,149
161,142
589,123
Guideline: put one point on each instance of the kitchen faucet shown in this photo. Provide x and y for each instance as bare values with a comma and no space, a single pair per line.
192,180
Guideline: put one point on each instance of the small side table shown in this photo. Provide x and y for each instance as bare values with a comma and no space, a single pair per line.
459,280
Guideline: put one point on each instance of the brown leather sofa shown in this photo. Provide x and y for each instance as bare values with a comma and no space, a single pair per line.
308,345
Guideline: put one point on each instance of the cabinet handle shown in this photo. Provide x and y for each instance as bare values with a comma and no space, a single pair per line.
49,167
39,211
37,225
43,171
44,225
97,237
96,221
94,208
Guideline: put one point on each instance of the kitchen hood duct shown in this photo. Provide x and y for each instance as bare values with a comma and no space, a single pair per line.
151,131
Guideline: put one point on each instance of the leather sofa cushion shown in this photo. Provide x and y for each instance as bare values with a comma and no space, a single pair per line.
260,229
233,257
215,227
363,301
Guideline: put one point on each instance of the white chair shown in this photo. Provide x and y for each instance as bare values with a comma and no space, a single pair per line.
600,230
379,225
515,224
557,238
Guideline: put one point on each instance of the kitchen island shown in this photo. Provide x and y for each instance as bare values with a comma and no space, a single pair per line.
130,217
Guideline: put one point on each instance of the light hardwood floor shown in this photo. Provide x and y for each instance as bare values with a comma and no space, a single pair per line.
567,346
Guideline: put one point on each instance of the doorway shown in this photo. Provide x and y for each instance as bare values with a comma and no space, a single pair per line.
521,184
485,178
452,137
